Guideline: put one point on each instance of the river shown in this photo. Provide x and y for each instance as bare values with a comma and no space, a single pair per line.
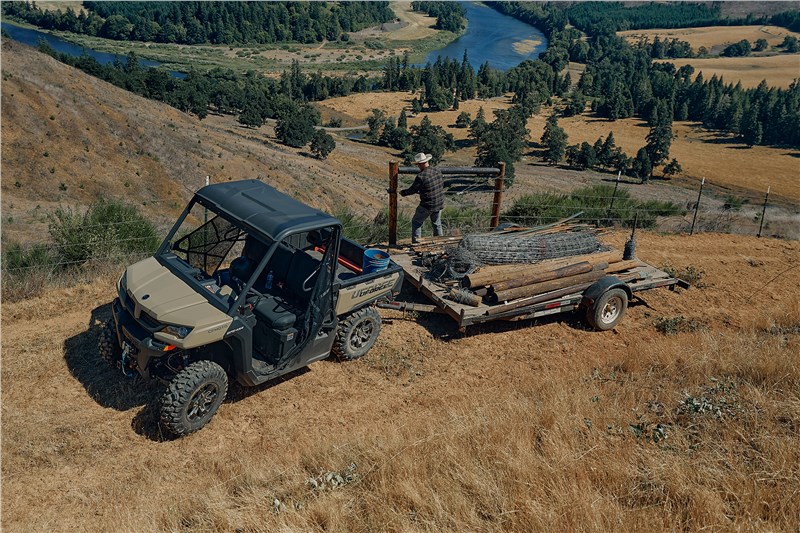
501,40
32,37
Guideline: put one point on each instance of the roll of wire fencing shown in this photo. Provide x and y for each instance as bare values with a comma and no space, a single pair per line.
504,249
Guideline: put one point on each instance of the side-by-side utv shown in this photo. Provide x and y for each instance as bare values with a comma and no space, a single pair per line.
249,284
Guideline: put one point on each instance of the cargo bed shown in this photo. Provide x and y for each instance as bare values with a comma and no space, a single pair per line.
647,277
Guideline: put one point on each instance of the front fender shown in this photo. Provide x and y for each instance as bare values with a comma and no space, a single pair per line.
600,287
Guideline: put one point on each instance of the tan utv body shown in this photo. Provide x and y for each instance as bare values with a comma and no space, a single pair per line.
258,285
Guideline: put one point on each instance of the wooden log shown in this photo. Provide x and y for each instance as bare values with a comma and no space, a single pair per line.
553,295
495,274
562,272
545,286
624,265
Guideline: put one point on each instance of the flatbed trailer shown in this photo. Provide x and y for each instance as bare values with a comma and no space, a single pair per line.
637,279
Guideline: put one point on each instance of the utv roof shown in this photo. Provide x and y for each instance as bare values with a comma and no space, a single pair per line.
263,208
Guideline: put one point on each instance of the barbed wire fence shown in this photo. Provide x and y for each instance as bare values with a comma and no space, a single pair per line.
473,204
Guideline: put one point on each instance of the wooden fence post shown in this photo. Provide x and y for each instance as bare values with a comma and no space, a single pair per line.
498,195
697,206
394,170
764,211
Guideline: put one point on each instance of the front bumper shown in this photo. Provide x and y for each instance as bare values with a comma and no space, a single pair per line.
141,346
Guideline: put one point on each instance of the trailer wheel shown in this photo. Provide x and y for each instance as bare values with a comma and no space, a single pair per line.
608,310
357,333
108,346
193,397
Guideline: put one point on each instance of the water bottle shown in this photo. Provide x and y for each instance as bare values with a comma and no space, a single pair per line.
268,283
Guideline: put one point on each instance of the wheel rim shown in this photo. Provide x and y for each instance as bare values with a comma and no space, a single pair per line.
202,402
361,334
611,310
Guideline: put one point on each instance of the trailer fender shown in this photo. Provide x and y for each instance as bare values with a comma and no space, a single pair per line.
600,287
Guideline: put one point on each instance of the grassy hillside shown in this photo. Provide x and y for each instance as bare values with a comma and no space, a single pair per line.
684,417
69,139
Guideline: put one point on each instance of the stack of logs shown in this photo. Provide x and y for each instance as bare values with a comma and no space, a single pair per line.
510,287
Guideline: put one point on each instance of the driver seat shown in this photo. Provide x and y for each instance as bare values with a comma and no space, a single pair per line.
281,312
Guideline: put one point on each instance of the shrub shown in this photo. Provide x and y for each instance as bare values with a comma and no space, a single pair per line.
109,230
365,231
691,274
594,204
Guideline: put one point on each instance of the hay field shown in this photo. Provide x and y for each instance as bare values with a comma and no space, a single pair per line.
702,153
715,38
419,25
779,70
714,156
511,428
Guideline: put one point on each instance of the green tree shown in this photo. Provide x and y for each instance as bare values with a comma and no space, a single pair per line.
790,44
322,144
659,141
478,126
641,166
431,139
295,125
673,168
375,122
575,104
554,140
463,120
251,117
402,120
760,45
503,140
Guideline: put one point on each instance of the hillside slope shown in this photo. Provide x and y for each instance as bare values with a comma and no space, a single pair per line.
514,427
69,138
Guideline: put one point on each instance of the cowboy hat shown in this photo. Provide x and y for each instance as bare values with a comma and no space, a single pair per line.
422,158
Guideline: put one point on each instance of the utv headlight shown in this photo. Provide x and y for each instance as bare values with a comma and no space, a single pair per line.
177,331
122,285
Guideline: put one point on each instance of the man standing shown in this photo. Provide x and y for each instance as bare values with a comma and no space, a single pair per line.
430,187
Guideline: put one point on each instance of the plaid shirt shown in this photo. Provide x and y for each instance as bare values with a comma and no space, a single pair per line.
430,186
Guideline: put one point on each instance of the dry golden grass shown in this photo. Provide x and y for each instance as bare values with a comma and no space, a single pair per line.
717,157
512,428
713,36
420,26
702,153
61,126
779,70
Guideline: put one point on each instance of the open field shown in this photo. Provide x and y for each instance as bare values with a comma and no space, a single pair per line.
779,70
510,428
717,157
714,38
418,25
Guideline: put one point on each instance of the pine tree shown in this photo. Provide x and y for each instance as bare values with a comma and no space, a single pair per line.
503,140
402,120
659,141
555,141
642,167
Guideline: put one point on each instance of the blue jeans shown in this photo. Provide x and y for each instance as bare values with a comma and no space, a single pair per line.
419,219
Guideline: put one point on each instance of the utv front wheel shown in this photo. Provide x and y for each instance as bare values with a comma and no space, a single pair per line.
357,333
108,346
193,397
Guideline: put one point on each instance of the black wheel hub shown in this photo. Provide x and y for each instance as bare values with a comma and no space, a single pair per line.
361,334
202,401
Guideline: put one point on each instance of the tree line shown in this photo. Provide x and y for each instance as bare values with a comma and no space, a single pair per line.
595,18
209,22
450,16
